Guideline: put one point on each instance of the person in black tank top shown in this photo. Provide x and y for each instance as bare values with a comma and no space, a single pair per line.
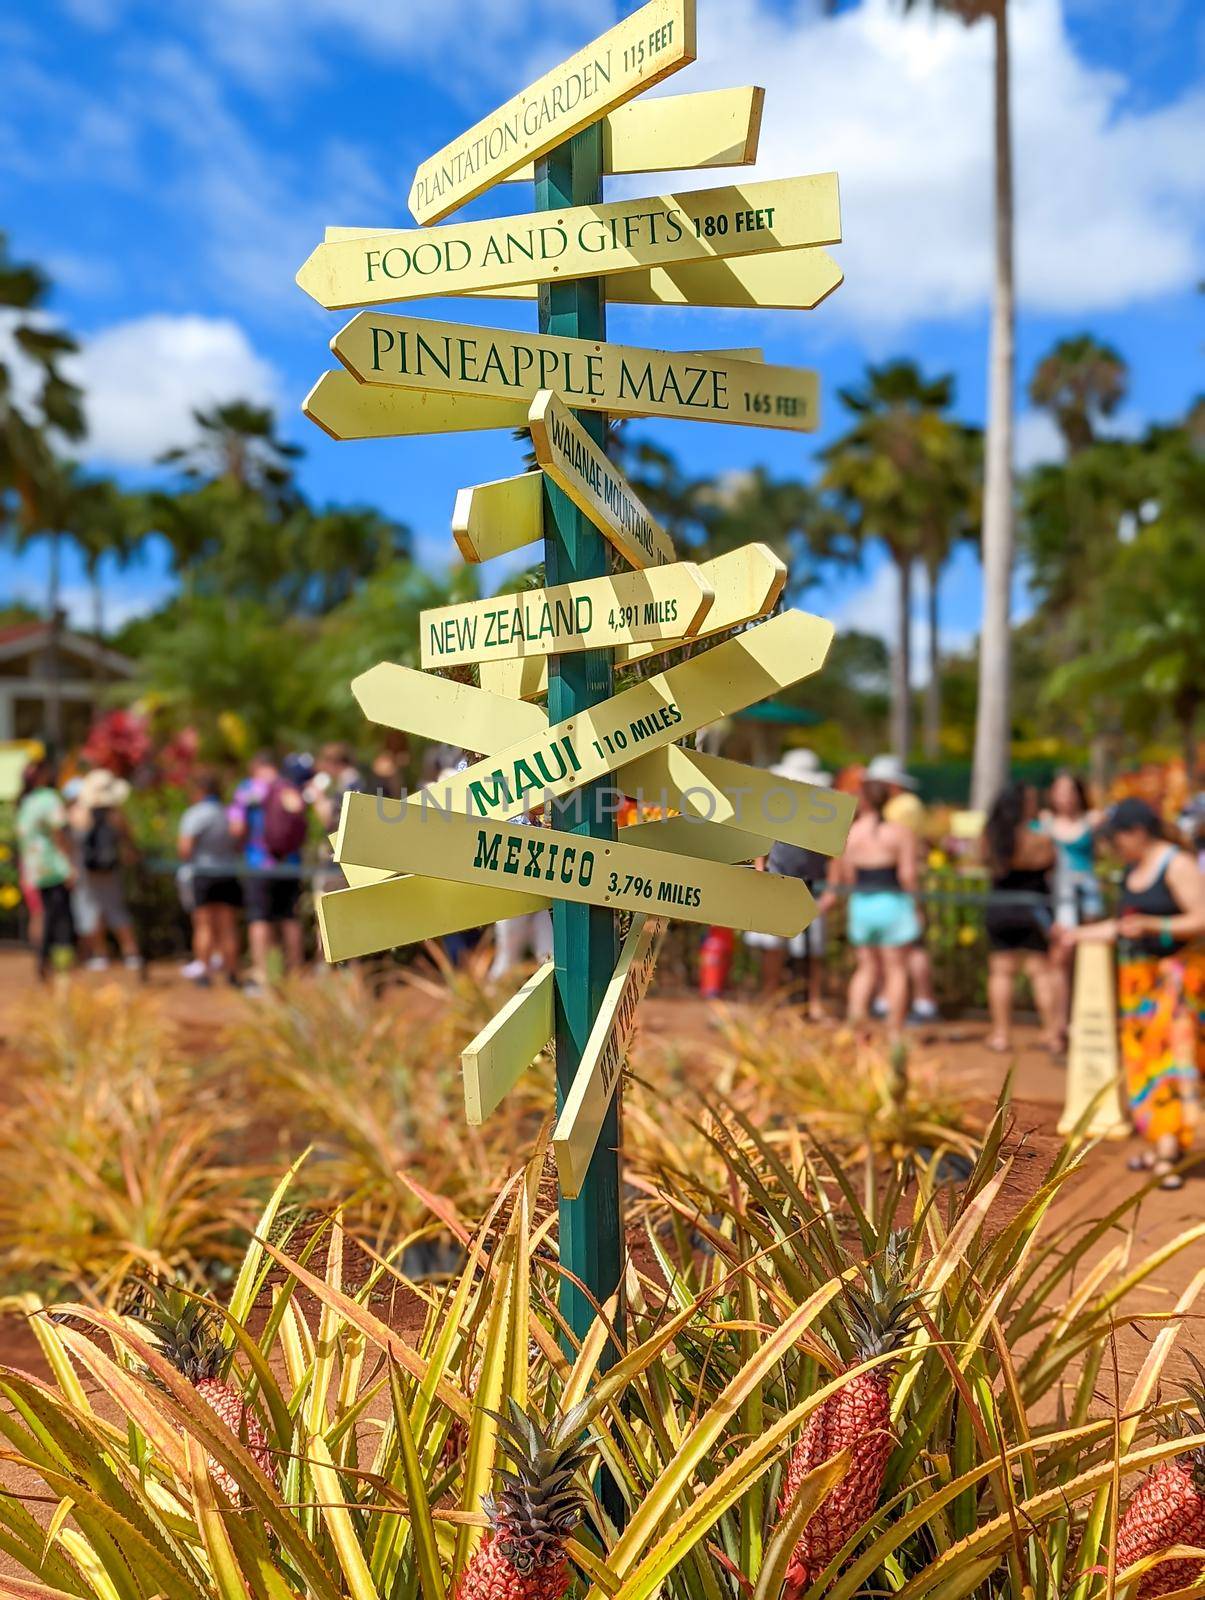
1159,932
1019,918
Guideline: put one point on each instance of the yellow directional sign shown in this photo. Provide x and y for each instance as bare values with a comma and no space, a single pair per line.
491,519
748,583
399,911
580,1122
447,358
349,410
551,761
580,467
594,614
391,911
678,133
732,221
417,703
633,55
568,866
743,797
504,1049
786,280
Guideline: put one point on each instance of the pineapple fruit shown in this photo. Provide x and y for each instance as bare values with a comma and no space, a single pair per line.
1168,1508
523,1555
856,1418
186,1332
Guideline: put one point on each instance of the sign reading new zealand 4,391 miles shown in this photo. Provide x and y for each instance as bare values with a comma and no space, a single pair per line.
449,358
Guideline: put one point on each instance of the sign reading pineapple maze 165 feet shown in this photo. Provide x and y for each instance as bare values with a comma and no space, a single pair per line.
568,866
746,219
577,465
577,1129
449,358
596,613
636,53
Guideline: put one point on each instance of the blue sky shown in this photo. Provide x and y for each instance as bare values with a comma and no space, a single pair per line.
173,164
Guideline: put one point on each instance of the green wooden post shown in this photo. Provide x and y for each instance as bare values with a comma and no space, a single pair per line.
584,937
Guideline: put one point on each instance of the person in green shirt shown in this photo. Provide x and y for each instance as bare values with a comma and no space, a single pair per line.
44,843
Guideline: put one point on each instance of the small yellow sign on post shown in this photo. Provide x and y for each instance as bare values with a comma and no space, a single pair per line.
346,409
433,708
580,467
678,133
1093,1063
638,52
567,866
597,613
504,1049
577,1129
448,358
732,221
492,519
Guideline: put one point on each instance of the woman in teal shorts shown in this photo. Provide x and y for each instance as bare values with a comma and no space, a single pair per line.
879,866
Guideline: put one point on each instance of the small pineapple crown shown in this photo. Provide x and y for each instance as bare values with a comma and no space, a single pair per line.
882,1309
186,1329
538,1505
1177,1426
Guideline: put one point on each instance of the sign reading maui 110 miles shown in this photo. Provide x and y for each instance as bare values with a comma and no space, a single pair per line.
638,52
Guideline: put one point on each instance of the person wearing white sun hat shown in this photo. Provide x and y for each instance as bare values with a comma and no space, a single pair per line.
800,766
103,848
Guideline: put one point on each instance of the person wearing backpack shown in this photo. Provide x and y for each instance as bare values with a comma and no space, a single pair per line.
268,818
103,847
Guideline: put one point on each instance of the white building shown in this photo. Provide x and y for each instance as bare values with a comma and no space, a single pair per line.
29,680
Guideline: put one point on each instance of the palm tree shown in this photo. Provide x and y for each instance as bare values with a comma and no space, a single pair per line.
30,492
109,524
885,477
1078,382
953,513
237,444
992,721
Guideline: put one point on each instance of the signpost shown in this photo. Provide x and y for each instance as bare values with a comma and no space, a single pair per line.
637,53
581,470
575,1137
1093,1064
448,358
735,220
457,855
666,603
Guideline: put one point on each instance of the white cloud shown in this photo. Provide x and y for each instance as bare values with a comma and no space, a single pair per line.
873,607
1108,198
143,379
1036,440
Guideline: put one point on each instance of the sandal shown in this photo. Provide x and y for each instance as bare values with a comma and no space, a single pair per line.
998,1047
1168,1177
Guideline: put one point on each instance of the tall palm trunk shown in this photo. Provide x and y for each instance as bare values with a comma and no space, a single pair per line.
54,664
992,722
933,685
901,664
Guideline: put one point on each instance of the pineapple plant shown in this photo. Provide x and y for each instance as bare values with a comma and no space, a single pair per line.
523,1556
857,1418
1168,1508
185,1329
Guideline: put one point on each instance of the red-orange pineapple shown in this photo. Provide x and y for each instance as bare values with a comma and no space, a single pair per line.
186,1332
856,1418
523,1555
1168,1508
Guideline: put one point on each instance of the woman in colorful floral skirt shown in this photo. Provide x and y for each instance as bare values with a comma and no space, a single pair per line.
1160,937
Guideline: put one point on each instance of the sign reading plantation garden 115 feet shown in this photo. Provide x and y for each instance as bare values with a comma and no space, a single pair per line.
528,822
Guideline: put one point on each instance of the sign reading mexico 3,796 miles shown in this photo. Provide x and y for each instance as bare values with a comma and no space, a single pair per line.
633,55
449,358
